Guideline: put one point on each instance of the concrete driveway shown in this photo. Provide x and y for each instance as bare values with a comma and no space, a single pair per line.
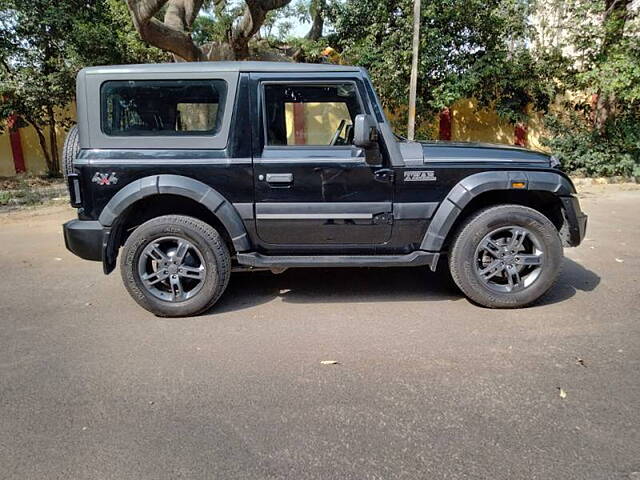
428,386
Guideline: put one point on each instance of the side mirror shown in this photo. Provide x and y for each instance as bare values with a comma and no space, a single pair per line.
365,131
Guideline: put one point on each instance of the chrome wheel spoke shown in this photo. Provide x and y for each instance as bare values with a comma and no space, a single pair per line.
196,273
513,279
181,251
156,254
517,239
154,277
494,268
491,247
529,259
176,287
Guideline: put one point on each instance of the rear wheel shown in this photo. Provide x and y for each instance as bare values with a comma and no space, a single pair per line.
175,266
506,256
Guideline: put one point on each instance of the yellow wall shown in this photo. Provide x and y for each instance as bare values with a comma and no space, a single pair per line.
33,157
6,159
472,124
321,119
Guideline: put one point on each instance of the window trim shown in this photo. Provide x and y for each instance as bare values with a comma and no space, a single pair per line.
201,134
89,111
263,107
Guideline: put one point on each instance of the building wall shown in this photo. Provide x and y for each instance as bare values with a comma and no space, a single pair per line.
31,151
6,158
472,124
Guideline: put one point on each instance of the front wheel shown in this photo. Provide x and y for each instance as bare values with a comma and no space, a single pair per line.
506,256
175,266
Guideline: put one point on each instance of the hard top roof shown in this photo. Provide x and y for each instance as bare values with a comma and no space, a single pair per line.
203,67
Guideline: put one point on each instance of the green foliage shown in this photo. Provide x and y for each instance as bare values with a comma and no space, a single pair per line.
217,19
215,22
467,48
42,46
127,47
606,65
584,150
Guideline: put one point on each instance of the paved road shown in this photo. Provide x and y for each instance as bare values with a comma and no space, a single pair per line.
428,385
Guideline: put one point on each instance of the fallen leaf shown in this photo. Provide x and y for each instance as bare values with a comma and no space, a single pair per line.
563,394
330,362
619,260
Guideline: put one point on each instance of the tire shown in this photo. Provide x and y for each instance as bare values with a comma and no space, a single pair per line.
205,256
494,276
70,150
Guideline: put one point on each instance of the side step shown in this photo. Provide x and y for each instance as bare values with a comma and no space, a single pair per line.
413,259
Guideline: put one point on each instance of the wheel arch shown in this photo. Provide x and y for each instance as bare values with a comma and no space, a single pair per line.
190,197
542,191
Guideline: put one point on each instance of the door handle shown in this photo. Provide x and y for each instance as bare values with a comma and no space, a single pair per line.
279,178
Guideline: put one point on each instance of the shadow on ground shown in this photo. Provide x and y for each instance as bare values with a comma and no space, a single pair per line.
574,277
338,285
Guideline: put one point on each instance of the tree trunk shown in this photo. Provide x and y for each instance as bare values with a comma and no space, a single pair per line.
53,143
615,16
43,146
317,25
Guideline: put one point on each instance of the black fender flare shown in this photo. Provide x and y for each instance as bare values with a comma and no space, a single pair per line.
473,185
185,187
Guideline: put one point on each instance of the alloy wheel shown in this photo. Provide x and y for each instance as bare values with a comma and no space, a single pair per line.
509,259
172,269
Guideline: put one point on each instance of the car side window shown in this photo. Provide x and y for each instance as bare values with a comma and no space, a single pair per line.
314,115
162,107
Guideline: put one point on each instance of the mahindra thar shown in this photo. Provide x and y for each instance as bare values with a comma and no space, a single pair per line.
189,171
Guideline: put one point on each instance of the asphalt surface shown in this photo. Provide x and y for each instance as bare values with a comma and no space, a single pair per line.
428,386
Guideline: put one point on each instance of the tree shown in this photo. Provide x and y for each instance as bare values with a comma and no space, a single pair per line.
174,32
42,46
467,48
597,130
614,47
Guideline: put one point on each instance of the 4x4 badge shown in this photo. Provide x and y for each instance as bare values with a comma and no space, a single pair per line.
105,178
420,176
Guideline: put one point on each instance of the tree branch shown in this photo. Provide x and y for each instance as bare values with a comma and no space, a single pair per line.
317,23
255,13
172,35
181,14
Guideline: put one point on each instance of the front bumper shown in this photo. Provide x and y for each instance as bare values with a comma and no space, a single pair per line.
576,220
84,238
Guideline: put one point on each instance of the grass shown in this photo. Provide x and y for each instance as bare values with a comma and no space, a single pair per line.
28,190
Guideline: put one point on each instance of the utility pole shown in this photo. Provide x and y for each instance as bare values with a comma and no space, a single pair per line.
413,84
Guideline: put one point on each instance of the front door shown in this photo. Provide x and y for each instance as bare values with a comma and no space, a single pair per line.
312,186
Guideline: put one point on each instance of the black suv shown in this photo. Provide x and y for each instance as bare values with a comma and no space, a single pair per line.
198,169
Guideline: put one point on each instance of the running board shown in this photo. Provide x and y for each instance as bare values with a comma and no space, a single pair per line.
413,259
